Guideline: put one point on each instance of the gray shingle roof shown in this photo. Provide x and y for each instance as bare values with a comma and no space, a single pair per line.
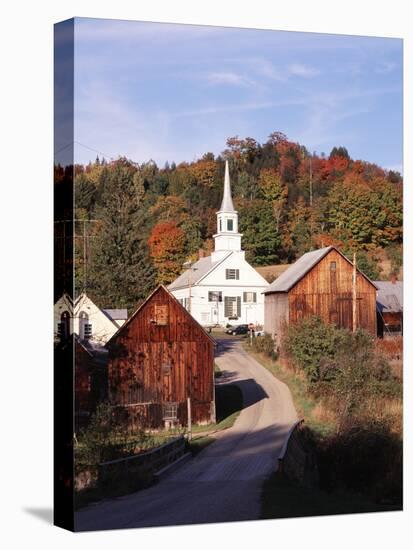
198,270
294,273
389,296
116,314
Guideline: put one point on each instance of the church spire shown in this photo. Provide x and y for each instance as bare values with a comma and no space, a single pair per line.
227,204
227,239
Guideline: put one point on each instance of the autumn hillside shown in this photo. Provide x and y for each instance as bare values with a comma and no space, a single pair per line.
141,222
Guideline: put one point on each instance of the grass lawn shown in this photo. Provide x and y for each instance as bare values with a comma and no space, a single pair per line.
228,399
198,444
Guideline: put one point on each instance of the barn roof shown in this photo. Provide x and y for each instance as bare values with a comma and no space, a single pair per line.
300,268
157,289
389,296
197,272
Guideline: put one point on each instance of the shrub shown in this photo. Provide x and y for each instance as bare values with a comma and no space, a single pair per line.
264,344
341,366
106,438
311,343
363,458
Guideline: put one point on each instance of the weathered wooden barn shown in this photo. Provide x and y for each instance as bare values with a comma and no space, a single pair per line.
158,359
389,308
320,283
85,368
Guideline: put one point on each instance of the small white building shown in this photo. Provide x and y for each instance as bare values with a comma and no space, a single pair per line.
223,288
86,319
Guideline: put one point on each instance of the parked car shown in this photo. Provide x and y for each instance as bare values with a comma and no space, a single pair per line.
239,329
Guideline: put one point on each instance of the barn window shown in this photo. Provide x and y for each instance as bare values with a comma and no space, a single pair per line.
250,297
215,296
333,277
170,411
161,314
232,274
230,225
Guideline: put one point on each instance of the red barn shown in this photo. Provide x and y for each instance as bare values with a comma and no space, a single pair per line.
158,359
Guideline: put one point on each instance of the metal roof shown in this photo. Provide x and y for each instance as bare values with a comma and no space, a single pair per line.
196,272
301,267
389,296
116,314
294,273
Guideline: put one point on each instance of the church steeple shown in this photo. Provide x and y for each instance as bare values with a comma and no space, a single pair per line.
227,238
226,204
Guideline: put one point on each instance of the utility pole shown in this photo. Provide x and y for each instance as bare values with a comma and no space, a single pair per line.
354,288
84,257
189,265
311,181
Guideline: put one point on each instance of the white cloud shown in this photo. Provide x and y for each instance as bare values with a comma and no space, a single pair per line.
230,78
298,69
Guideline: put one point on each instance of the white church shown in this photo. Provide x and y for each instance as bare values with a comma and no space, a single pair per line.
223,288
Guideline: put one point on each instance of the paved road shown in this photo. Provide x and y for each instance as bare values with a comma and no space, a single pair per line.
223,483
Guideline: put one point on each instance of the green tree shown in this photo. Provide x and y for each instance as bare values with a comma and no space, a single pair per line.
261,240
121,272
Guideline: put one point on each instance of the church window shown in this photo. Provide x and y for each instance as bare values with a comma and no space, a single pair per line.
250,297
215,296
230,225
232,274
232,307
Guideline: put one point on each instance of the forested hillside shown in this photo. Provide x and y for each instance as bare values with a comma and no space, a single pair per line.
141,222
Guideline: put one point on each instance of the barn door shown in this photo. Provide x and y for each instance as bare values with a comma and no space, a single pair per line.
166,375
345,312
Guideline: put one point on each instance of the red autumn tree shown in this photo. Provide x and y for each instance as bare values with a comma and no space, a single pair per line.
167,248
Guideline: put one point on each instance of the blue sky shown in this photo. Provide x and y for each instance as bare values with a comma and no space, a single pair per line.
174,92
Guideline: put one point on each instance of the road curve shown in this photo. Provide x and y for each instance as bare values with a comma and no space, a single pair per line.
222,483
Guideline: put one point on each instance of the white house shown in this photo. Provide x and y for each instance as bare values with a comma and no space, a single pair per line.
86,319
223,288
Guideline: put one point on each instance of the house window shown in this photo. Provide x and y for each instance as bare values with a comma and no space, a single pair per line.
215,296
230,225
232,307
63,328
170,411
220,224
87,331
232,274
85,328
250,297
333,266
